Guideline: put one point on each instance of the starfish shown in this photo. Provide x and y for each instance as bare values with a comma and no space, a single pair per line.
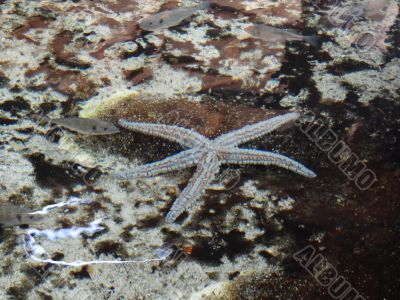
209,154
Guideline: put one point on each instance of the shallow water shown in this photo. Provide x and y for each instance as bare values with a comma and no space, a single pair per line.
258,232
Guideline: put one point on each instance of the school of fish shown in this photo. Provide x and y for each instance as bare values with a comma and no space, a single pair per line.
171,18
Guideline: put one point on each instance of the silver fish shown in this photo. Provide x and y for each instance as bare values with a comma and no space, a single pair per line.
277,35
13,215
86,126
170,18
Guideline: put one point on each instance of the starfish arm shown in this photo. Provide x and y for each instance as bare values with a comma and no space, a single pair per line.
185,159
197,186
251,132
256,157
185,137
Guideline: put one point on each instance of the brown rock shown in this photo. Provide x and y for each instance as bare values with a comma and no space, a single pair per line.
120,6
139,75
63,57
71,83
128,31
35,22
209,119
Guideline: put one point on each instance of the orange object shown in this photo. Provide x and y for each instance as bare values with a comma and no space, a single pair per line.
187,249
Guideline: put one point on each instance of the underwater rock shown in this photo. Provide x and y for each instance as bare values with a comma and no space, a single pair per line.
211,119
62,56
69,82
35,22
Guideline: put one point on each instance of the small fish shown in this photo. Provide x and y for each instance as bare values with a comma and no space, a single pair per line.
86,126
13,215
277,35
170,18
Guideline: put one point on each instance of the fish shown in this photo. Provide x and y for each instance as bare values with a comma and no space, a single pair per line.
86,126
13,215
170,18
278,35
376,9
